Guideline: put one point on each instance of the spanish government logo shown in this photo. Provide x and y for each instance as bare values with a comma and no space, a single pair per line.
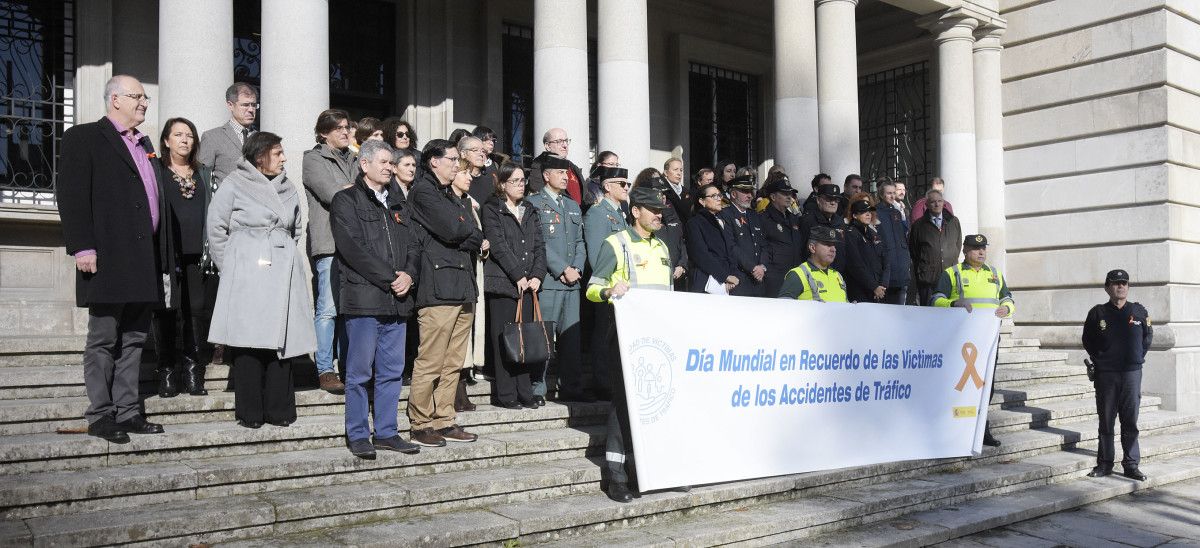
651,361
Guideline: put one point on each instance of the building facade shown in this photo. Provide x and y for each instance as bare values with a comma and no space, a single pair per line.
1068,131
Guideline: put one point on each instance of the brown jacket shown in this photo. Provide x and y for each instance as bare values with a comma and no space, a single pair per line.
934,250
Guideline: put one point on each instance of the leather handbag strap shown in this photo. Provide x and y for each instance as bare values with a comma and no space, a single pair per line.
537,308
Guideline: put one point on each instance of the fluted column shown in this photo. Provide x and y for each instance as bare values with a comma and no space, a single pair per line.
989,141
194,68
560,73
797,146
956,115
623,93
295,74
837,87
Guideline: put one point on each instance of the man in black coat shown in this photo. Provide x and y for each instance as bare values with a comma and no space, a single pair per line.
379,259
110,208
829,202
747,228
781,229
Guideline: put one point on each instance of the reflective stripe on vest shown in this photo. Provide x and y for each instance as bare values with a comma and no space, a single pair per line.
994,302
812,284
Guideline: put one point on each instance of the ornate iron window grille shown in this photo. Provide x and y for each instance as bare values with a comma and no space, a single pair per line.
37,61
517,87
724,116
895,130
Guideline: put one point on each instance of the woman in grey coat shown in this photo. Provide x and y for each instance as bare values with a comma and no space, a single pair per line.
263,313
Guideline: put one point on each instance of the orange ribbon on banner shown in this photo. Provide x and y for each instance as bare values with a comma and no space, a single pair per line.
969,353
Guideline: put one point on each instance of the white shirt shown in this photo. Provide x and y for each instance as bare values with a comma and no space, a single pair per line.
381,196
937,221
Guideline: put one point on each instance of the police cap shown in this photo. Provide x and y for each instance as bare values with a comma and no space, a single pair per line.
823,234
742,182
861,206
1115,276
975,240
606,174
781,185
555,162
650,198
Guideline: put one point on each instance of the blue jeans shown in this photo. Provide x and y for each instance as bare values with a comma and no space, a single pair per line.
326,312
376,346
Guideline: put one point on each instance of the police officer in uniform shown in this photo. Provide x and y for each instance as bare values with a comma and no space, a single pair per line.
1117,335
602,220
974,284
561,223
781,230
747,226
831,206
816,271
634,257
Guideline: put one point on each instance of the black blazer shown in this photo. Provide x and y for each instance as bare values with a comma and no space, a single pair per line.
516,248
711,249
103,206
867,265
448,260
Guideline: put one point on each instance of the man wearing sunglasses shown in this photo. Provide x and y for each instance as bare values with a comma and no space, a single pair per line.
601,221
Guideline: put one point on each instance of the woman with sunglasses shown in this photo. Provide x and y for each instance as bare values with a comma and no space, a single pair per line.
402,136
710,243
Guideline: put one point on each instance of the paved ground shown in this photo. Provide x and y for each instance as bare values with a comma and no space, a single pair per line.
1167,516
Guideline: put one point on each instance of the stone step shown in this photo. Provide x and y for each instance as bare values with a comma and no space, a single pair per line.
36,415
41,452
1029,357
327,476
40,351
1052,413
1007,341
754,512
494,458
66,380
1038,394
1015,377
904,513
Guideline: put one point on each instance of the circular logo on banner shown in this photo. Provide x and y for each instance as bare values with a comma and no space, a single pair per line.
651,368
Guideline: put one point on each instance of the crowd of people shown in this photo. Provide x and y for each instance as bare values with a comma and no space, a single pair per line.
421,254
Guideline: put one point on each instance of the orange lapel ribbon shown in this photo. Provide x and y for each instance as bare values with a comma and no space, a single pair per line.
969,353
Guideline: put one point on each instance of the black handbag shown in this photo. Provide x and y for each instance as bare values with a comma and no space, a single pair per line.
528,342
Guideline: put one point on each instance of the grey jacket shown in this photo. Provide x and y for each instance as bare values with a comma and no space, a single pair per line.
263,300
562,231
221,148
325,173
601,221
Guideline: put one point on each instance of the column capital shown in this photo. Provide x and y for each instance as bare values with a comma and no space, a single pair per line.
951,25
851,2
987,37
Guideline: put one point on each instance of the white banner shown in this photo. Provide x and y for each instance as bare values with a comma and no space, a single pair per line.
730,388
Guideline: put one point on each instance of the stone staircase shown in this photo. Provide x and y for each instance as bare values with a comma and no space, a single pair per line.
533,476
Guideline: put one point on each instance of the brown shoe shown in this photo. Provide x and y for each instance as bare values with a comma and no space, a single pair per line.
456,433
332,384
427,437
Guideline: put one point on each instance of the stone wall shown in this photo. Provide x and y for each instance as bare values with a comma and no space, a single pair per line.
1102,164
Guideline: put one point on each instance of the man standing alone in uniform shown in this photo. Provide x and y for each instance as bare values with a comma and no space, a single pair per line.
1117,335
617,268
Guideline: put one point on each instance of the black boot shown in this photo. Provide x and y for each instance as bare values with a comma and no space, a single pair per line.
191,368
164,347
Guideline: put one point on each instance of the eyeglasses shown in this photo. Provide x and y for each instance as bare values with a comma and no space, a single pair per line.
711,196
475,150
452,159
622,184
138,97
401,134
247,105
342,127
559,142
515,181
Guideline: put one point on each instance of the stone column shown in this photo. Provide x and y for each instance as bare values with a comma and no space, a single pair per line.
195,68
560,73
837,88
623,95
797,146
989,141
295,74
956,115
93,42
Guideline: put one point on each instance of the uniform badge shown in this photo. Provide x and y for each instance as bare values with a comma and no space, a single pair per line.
1103,325
820,284
1147,320
993,280
966,281
779,226
551,227
664,261
842,282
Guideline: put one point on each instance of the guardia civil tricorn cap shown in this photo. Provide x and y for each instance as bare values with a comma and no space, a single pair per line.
975,240
1117,275
651,198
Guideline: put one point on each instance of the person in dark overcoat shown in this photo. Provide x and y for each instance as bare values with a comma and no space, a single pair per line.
783,239
867,267
512,277
710,243
111,209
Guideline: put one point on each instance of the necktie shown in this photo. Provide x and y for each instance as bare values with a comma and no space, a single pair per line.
245,134
937,221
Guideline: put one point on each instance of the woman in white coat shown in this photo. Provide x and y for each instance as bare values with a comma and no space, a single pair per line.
263,313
